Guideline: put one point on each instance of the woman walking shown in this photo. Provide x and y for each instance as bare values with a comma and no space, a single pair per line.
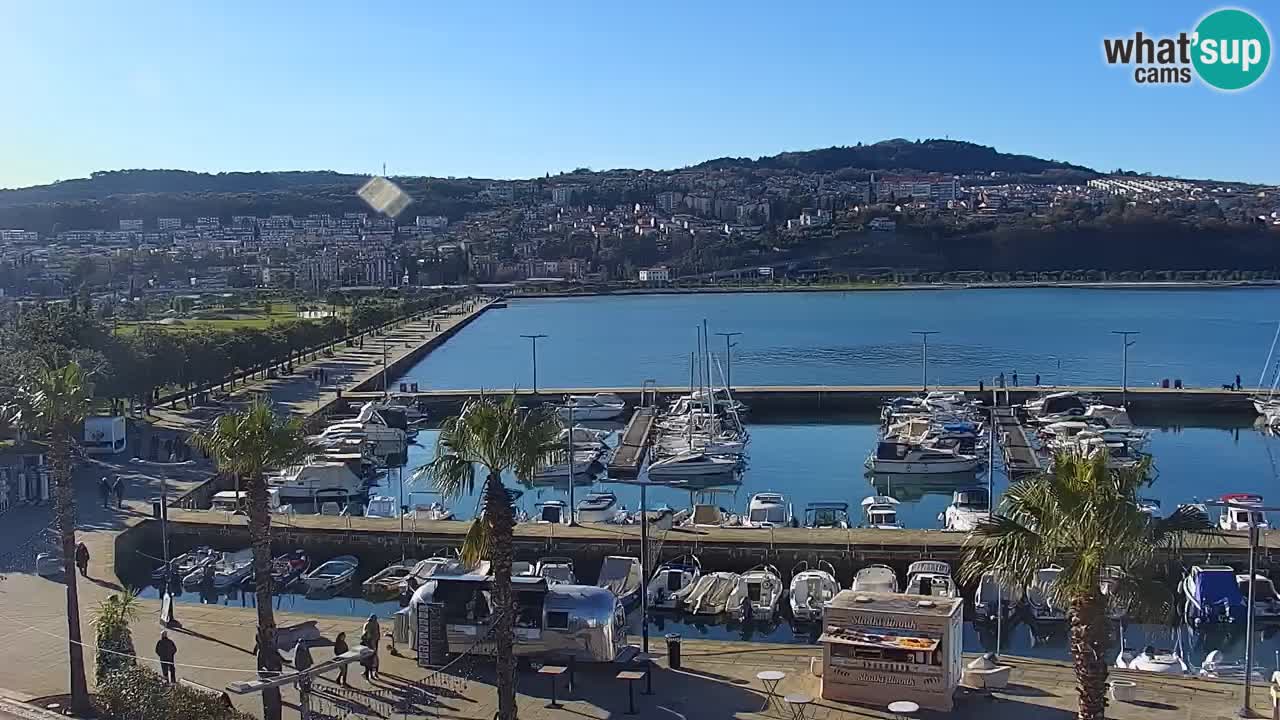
340,647
369,638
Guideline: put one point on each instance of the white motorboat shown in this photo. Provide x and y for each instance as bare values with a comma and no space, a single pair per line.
407,403
757,593
709,594
185,564
768,509
880,512
692,463
1212,595
670,579
930,577
228,570
584,464
1038,593
598,507
622,576
1266,602
332,574
437,566
375,426
386,582
556,570
1057,406
1113,416
554,512
968,507
991,601
583,438
1217,667
708,515
382,506
317,481
1239,513
810,589
1152,660
892,457
600,406
827,515
875,578
429,511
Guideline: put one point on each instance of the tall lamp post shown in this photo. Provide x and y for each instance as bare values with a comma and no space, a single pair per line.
534,338
645,560
1124,370
728,358
568,454
924,355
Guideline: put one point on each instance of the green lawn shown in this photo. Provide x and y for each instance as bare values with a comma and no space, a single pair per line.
226,319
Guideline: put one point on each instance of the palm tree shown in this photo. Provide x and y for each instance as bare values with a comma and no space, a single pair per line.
246,444
115,639
51,403
1085,517
499,437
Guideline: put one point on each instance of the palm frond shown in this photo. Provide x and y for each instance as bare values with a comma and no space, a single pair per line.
475,546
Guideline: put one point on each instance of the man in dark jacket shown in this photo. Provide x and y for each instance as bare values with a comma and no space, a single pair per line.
166,651
104,489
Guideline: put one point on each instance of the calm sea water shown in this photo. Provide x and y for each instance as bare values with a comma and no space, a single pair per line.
1204,337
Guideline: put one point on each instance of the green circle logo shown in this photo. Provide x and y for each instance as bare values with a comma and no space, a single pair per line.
1232,49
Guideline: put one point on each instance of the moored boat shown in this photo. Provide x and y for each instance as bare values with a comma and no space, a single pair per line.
810,589
332,574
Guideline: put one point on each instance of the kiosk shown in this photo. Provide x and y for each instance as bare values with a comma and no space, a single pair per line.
880,648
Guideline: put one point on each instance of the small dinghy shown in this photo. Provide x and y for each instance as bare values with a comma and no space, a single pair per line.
811,589
331,575
386,582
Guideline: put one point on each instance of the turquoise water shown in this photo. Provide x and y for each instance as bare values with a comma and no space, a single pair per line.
1204,337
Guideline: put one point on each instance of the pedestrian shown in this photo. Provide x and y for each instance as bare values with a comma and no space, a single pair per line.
369,636
980,387
1015,378
118,488
166,651
1001,378
1238,383
82,559
302,661
104,489
1037,379
340,647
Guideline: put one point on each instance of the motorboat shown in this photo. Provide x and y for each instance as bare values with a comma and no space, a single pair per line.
692,463
1217,667
1266,602
285,570
1113,416
991,601
757,593
1212,595
1151,660
1239,514
556,570
1150,506
968,507
876,579
382,506
332,574
622,576
317,481
670,579
768,509
437,566
581,464
708,515
428,511
330,508
232,568
582,438
709,594
880,512
386,582
810,589
1057,406
553,512
408,404
930,577
377,425
891,457
1109,583
1039,593
185,564
600,406
826,515
598,507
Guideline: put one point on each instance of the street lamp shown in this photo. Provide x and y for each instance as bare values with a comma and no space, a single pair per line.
568,448
534,338
1124,372
728,358
924,355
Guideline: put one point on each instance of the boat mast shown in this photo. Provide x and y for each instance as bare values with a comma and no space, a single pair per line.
1267,365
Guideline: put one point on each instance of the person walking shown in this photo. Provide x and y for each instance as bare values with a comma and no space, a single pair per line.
104,489
1015,378
1037,379
82,559
118,487
1238,383
340,647
167,651
369,636
301,662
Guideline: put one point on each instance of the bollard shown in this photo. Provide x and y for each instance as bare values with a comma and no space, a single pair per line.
673,651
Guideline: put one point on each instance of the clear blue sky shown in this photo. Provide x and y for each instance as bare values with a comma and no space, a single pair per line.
516,89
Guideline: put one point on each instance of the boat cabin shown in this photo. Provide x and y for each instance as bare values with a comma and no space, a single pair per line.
554,512
826,515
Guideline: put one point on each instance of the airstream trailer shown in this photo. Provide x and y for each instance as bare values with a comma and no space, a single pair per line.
553,621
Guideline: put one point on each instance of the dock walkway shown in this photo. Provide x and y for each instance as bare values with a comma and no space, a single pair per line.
635,441
1020,458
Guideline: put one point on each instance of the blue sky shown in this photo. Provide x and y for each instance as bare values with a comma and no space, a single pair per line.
516,89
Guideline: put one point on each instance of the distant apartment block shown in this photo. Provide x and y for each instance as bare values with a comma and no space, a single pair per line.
169,223
565,194
208,223
882,224
917,187
128,225
431,222
19,236
658,274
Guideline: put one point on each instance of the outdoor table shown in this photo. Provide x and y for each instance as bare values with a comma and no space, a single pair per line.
631,676
553,672
903,709
799,705
770,680
646,661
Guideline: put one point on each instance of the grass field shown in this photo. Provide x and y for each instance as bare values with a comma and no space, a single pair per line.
225,319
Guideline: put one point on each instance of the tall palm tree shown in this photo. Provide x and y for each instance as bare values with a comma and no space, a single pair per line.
499,437
246,444
1085,517
51,404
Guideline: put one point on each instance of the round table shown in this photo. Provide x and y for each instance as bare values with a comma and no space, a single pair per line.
770,680
903,708
799,705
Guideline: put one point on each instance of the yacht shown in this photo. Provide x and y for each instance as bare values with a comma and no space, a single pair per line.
827,515
892,457
1266,602
691,464
875,578
316,481
881,513
670,579
598,507
332,574
968,507
930,577
556,570
1038,594
768,509
382,506
1238,514
600,406
757,594
375,425
811,589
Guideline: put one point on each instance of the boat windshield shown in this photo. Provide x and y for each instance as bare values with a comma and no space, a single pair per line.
773,514
884,517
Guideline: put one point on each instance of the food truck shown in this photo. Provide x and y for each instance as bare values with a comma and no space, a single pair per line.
880,648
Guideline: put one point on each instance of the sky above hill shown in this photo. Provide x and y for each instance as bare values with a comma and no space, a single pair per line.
511,89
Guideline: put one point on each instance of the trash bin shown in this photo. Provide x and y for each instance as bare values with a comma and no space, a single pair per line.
1165,383
673,651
